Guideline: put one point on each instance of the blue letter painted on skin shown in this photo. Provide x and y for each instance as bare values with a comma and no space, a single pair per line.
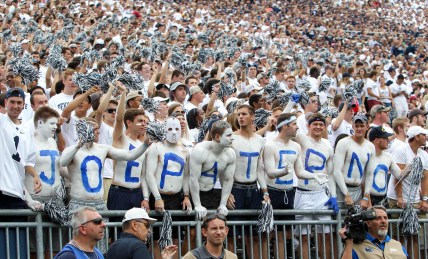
250,155
171,157
312,168
380,167
128,170
281,166
84,171
52,154
213,175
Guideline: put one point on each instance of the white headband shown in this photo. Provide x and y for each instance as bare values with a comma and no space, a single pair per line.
292,118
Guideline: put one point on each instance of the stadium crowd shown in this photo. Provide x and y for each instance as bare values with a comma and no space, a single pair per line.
196,105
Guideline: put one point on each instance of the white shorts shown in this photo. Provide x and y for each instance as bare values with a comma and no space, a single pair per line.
311,200
355,192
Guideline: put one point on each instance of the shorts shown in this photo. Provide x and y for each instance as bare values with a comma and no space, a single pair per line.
393,205
377,200
282,200
356,194
171,202
210,199
311,200
247,196
122,198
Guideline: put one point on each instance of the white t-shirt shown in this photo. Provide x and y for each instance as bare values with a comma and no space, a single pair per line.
60,101
405,155
375,89
106,137
27,113
17,151
344,128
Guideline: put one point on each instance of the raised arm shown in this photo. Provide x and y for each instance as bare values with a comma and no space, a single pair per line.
120,113
103,104
68,154
66,113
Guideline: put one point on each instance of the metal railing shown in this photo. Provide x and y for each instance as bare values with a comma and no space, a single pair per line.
42,238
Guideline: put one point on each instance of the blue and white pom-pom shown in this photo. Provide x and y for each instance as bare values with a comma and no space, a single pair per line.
24,68
132,81
85,131
156,131
272,90
55,58
261,117
409,217
166,231
303,85
325,84
16,49
225,90
150,105
265,220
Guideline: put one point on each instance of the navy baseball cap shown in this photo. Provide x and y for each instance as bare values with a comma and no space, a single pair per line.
15,92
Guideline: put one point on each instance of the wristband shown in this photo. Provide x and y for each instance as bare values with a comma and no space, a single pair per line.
186,195
158,198
265,193
366,199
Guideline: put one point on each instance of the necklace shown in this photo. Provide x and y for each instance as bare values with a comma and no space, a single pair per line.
73,243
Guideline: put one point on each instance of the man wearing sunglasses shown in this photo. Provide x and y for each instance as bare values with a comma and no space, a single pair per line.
136,227
88,229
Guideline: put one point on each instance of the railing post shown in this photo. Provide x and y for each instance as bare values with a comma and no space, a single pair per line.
39,236
198,231
338,228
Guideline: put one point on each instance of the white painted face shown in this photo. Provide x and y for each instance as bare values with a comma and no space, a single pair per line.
47,128
173,130
226,138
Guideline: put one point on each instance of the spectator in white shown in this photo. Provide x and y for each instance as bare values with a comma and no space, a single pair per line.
400,127
314,73
162,111
178,92
389,74
291,83
330,74
263,80
80,106
280,76
311,107
252,73
399,193
17,158
399,93
417,117
341,124
196,96
373,95
60,101
133,99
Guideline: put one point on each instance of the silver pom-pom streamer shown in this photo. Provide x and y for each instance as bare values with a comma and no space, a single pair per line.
225,90
156,131
265,220
261,117
409,216
86,81
26,70
166,231
220,55
272,89
304,98
81,37
231,107
303,85
16,49
203,130
150,105
325,84
55,58
285,98
85,131
132,81
291,66
55,207
6,35
177,58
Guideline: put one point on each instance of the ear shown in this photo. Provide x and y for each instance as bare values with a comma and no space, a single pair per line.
204,232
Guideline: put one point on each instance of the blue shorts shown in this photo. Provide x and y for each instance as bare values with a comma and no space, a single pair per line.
247,196
121,198
282,200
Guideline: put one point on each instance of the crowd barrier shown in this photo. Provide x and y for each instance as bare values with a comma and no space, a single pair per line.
40,236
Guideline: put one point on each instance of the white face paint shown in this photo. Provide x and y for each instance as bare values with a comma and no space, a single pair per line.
48,128
226,138
173,130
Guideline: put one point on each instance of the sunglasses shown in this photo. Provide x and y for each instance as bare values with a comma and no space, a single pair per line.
146,224
111,110
96,221
181,112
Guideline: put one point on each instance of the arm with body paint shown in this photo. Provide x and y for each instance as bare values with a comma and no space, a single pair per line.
186,177
289,107
261,177
227,178
195,164
368,181
120,113
424,191
339,161
151,168
68,154
301,173
126,155
144,186
269,163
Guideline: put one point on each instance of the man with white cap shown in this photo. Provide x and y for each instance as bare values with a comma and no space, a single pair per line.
400,192
133,99
178,92
136,227
196,96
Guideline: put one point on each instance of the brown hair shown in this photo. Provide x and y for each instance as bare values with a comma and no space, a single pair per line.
130,115
44,113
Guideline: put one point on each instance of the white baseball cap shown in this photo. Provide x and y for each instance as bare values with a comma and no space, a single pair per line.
416,130
160,99
138,213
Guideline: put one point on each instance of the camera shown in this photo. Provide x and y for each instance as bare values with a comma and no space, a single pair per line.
354,222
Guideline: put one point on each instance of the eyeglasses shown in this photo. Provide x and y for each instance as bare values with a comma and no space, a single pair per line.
111,110
181,112
314,101
96,221
146,224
